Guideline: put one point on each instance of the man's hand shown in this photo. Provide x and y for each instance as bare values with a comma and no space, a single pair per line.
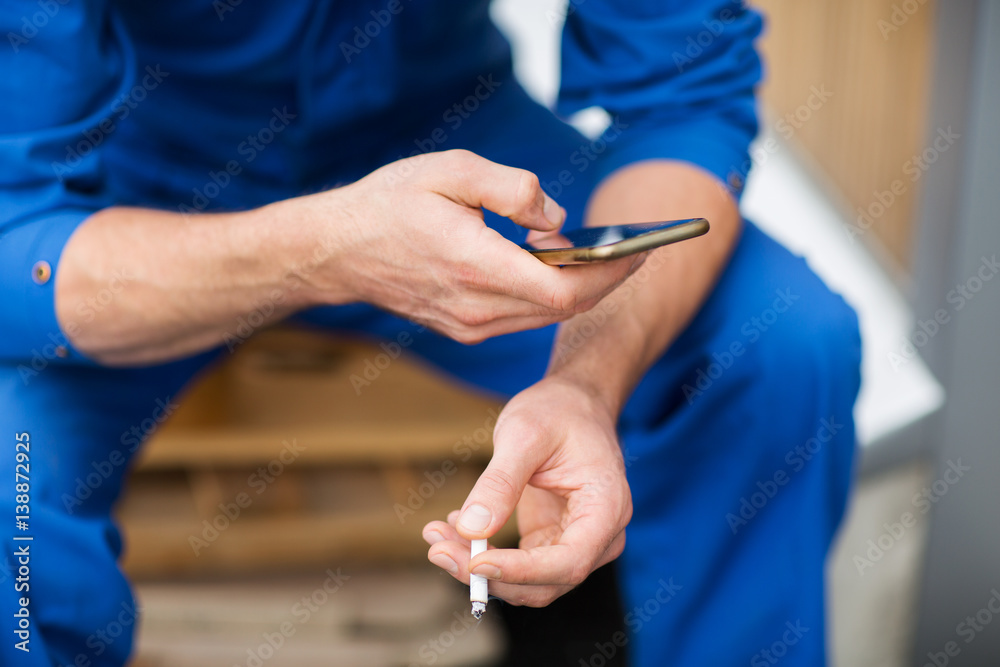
414,242
409,238
566,477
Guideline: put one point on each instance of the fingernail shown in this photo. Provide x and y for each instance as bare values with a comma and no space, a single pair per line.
475,519
444,562
433,537
552,211
488,571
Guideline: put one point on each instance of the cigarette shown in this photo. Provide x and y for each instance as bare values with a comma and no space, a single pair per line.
478,586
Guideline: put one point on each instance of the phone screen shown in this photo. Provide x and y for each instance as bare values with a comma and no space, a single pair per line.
593,237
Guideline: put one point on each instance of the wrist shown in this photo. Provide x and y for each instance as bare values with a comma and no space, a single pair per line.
601,394
303,243
601,352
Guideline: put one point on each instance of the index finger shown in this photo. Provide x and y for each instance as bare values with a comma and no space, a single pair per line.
514,193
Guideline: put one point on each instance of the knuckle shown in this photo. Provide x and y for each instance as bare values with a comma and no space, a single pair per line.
423,167
543,600
500,483
465,276
517,430
564,300
527,191
583,305
462,161
627,512
579,573
617,548
447,163
467,335
457,156
473,318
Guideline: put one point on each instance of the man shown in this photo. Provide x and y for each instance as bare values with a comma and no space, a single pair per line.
167,169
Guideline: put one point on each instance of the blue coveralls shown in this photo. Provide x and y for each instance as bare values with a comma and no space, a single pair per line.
740,439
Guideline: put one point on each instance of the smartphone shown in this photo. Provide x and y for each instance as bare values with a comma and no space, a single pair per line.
601,244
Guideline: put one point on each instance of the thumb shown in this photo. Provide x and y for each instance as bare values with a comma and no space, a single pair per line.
494,496
513,193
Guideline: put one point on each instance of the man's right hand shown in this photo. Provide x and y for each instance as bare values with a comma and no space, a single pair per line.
411,240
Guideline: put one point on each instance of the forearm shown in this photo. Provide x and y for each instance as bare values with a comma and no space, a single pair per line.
138,286
609,348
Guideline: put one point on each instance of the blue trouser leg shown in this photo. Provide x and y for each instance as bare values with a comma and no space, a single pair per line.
739,447
84,426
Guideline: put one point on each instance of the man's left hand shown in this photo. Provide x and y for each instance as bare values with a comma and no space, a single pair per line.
557,459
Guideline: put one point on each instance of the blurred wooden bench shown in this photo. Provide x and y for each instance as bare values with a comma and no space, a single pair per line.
275,461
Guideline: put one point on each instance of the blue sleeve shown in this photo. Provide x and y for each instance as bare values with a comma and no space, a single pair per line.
677,77
63,64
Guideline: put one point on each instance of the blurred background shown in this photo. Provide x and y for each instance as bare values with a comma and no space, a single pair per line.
877,161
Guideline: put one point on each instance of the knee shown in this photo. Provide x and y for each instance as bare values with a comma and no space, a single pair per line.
807,372
785,317
812,340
